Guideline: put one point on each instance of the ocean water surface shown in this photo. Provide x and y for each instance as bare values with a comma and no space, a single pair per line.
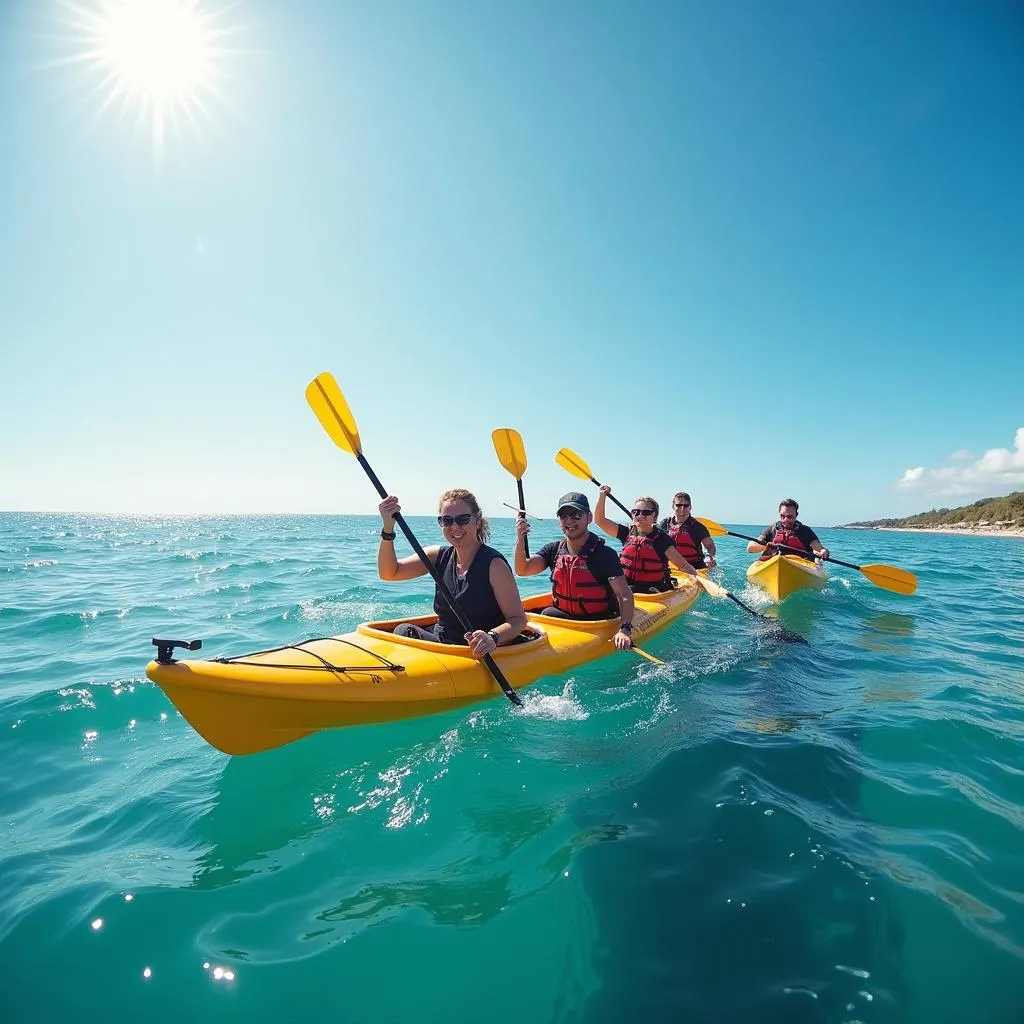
752,832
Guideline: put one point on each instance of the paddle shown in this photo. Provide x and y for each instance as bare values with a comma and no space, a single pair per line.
715,590
529,515
888,577
327,401
649,657
571,462
512,455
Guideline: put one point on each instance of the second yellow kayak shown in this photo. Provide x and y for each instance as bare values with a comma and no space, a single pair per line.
782,575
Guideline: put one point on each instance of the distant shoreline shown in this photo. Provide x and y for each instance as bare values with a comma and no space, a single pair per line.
970,531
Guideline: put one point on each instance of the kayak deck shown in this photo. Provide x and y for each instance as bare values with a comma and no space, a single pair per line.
257,701
782,575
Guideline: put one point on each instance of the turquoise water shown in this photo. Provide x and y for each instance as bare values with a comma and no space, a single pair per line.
754,832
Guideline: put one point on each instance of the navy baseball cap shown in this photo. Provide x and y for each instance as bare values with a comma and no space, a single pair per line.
574,500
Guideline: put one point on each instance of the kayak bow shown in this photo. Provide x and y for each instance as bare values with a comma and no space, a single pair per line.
782,575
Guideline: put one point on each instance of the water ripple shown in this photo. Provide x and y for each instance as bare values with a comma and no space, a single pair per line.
753,831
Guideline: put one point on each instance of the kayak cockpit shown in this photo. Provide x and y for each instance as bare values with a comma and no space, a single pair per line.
532,636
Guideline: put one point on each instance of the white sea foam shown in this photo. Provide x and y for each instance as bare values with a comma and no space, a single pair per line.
564,706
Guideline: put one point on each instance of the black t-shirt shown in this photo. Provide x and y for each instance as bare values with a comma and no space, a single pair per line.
602,561
804,533
698,531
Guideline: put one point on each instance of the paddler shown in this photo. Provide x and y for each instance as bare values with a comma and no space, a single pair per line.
788,530
646,550
587,580
691,537
476,574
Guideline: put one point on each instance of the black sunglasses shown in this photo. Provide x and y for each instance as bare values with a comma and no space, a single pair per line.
682,504
643,512
461,520
570,514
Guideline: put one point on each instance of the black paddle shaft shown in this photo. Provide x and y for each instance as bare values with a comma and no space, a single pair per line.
522,515
787,634
441,585
796,551
598,484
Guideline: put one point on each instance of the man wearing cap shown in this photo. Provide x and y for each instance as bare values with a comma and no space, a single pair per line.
587,581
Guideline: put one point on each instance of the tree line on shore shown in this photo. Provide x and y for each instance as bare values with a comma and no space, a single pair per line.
1007,511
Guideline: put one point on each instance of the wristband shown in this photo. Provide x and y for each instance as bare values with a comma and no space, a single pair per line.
387,534
626,627
493,636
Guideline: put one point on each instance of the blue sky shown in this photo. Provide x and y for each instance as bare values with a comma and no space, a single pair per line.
744,249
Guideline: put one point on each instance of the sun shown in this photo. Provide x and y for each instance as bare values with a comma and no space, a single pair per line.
163,58
159,49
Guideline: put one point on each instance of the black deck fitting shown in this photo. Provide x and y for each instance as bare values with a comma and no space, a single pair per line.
165,648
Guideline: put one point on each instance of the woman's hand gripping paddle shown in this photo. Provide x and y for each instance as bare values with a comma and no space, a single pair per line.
327,401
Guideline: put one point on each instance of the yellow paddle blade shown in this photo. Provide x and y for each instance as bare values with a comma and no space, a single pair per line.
644,654
331,409
570,461
510,451
890,577
715,529
711,587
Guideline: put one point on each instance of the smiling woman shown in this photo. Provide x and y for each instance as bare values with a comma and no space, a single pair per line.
161,56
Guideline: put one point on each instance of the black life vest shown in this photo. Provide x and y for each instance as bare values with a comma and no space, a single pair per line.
474,594
690,549
788,536
641,562
575,589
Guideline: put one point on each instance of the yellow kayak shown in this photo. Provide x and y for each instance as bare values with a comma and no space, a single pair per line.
782,575
258,701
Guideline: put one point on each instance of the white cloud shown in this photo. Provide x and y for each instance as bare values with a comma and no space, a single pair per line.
961,455
998,470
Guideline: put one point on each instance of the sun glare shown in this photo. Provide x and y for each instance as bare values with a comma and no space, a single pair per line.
162,58
156,47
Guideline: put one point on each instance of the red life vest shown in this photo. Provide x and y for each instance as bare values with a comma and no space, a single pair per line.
783,535
575,590
686,545
641,562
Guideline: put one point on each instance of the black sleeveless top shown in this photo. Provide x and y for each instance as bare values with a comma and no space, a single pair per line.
474,594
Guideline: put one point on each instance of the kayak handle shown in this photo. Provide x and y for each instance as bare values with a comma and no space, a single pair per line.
165,648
